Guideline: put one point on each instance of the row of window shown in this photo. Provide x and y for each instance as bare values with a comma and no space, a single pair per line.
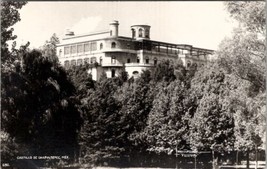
91,60
86,47
140,33
78,62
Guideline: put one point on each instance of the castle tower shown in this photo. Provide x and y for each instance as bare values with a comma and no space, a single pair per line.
114,28
140,32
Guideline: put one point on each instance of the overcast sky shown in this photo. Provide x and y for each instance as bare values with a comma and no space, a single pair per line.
201,24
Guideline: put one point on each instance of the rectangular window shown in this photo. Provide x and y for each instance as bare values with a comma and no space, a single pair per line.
80,48
93,46
66,50
86,47
128,60
73,49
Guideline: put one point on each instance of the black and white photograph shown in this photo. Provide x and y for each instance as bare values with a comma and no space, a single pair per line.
133,84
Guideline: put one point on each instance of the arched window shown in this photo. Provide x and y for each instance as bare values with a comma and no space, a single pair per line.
73,63
147,60
93,60
86,60
101,46
67,63
140,32
138,60
113,60
155,61
113,45
135,72
133,33
147,33
79,62
113,73
188,64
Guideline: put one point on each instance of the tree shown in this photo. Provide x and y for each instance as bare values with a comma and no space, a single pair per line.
164,71
212,125
167,126
243,56
38,108
49,48
100,135
9,17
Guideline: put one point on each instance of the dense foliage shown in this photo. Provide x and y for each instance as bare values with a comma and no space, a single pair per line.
46,109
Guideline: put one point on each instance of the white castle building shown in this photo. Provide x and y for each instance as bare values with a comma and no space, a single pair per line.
112,52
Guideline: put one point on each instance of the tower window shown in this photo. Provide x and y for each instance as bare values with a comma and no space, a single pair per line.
129,60
147,33
138,60
113,45
101,46
140,32
133,33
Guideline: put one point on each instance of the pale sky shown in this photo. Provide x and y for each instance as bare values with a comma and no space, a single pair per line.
201,24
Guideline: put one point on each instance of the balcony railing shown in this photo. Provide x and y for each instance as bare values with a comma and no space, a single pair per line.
112,64
138,64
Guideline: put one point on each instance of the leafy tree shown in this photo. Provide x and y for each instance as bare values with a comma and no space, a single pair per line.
164,71
81,79
99,137
163,125
243,56
49,48
37,107
250,14
212,126
9,17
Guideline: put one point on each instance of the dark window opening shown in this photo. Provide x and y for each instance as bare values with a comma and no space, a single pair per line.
128,60
140,33
147,61
113,45
138,60
133,33
112,73
101,46
135,72
188,64
155,61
